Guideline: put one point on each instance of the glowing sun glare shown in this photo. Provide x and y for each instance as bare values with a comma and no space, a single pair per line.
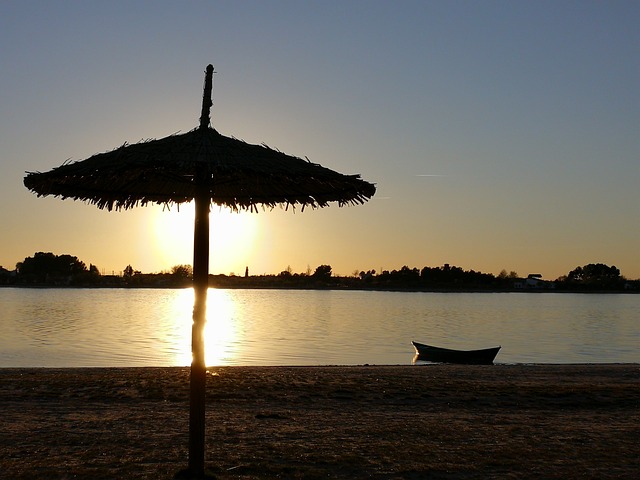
232,236
220,330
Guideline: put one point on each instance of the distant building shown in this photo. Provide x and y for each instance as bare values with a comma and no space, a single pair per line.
533,281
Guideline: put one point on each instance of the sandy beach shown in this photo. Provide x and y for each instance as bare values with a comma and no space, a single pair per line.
381,422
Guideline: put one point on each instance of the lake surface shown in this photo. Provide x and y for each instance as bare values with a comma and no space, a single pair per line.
148,327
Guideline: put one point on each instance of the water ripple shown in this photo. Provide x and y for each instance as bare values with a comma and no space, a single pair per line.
144,327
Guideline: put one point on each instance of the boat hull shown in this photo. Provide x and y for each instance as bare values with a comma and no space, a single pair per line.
445,355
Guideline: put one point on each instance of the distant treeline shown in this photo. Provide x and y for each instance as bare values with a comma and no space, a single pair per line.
47,269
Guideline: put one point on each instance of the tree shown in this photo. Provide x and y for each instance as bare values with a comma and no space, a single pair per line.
128,271
503,275
5,275
49,264
595,275
576,275
182,271
323,272
286,273
367,276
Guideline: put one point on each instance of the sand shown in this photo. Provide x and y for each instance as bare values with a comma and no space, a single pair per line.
380,422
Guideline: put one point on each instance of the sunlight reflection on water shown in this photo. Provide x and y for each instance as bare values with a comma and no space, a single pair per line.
141,327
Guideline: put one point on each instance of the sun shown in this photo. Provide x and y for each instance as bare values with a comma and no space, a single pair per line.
231,239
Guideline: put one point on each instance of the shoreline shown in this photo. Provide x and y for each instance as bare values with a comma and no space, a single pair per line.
395,421
419,364
327,288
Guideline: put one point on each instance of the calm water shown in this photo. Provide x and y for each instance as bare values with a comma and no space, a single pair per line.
144,327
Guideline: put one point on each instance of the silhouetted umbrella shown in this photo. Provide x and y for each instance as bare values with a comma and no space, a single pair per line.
207,167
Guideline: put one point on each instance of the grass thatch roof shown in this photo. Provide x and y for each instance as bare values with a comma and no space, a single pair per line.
238,175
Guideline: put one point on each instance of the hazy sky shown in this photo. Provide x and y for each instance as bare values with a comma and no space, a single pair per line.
500,134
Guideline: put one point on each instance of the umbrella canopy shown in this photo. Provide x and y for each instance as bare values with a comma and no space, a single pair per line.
238,175
207,167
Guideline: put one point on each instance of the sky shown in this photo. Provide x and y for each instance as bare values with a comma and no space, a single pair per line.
499,134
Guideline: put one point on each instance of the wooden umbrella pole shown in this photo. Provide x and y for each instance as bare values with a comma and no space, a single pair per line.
206,98
198,380
198,366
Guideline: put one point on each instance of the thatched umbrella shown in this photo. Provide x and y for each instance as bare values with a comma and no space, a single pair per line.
207,167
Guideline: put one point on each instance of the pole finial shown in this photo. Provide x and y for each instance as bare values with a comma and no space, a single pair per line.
205,118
